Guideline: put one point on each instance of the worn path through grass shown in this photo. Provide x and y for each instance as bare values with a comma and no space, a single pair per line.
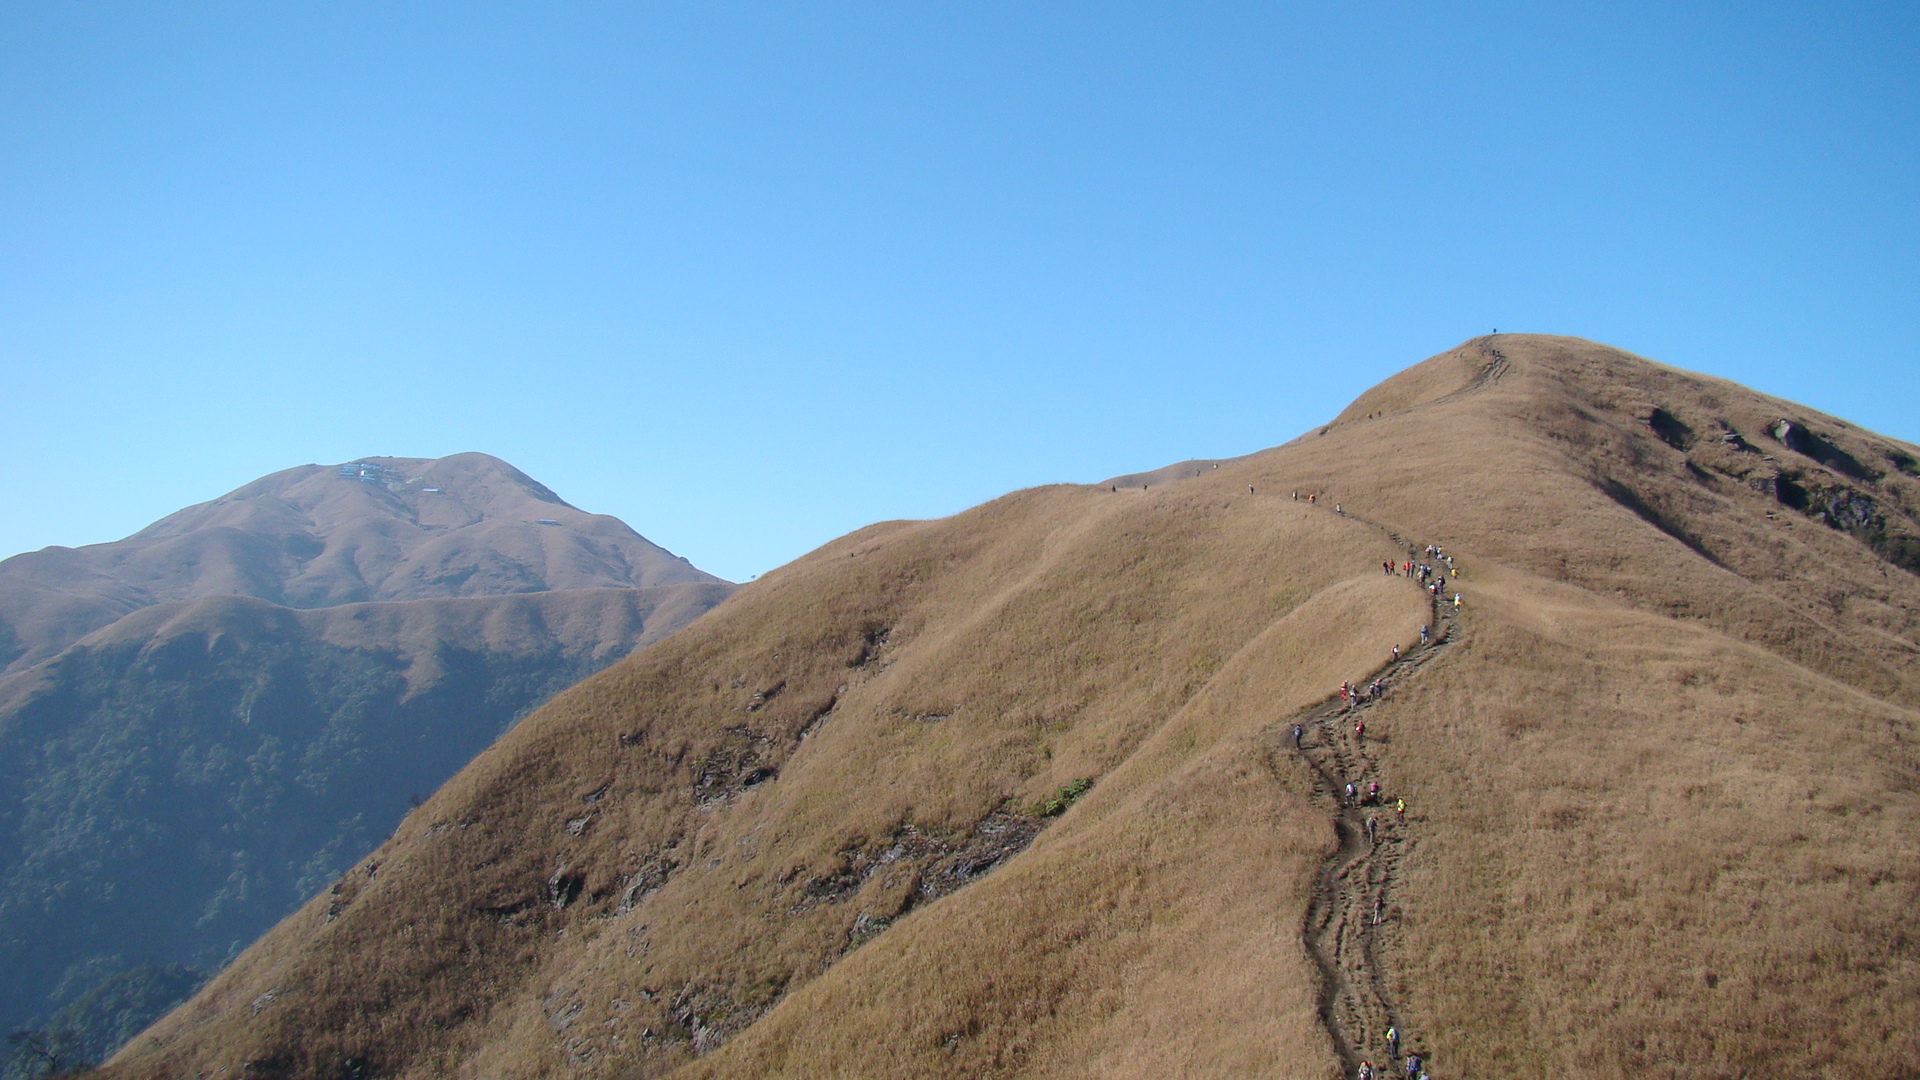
1352,907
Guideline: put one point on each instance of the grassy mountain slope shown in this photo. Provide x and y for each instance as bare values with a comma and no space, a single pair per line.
1657,768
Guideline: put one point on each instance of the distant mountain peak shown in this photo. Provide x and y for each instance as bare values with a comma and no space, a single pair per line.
373,528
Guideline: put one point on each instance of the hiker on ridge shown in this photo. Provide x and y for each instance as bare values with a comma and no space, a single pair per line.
1297,732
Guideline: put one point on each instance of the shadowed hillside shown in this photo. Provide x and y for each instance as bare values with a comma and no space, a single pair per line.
175,782
1018,792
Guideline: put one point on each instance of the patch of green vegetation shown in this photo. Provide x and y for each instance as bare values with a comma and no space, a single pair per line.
10,647
865,928
100,1021
1062,799
163,804
43,1052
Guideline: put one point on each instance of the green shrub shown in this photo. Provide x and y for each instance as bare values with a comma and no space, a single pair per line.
1062,799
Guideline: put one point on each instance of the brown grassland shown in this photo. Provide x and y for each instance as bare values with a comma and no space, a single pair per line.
1661,784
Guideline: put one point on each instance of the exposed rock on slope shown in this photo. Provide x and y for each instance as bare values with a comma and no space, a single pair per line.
1658,787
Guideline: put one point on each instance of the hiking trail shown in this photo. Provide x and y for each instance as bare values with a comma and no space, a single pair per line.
1351,915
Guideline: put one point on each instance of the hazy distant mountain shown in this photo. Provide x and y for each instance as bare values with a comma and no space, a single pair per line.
320,535
1016,793
208,720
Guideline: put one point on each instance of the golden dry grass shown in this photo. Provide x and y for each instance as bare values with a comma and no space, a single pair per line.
1659,785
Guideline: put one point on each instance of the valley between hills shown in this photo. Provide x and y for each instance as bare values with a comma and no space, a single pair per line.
1632,654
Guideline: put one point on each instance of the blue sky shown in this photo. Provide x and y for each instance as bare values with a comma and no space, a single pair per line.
750,276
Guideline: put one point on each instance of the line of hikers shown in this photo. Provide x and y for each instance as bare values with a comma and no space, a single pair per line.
1416,1068
1431,574
1433,578
1351,694
1370,796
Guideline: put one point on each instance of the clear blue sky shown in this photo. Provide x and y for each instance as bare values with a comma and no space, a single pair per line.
752,276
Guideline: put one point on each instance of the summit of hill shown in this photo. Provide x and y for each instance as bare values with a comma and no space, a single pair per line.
1549,711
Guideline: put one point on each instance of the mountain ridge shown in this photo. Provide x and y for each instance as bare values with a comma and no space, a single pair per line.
1655,790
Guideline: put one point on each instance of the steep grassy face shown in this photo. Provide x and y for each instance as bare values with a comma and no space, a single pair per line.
1654,787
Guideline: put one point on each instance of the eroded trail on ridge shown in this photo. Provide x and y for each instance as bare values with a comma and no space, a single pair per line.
1352,913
